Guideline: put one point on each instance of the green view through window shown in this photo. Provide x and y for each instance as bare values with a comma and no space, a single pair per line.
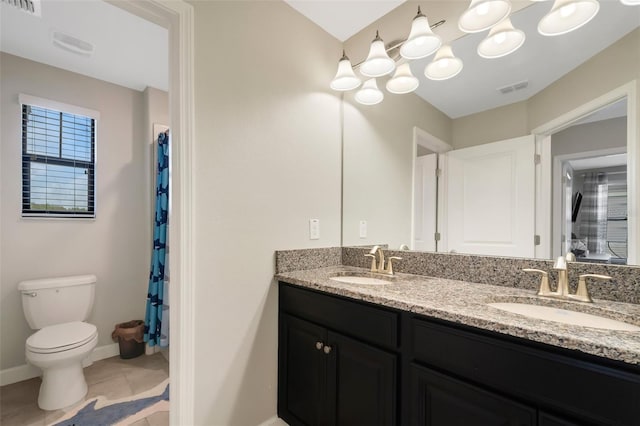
58,163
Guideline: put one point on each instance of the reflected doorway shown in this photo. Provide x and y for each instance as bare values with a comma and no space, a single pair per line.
590,187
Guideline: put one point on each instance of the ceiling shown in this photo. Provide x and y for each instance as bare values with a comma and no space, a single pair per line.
540,61
128,51
135,55
343,19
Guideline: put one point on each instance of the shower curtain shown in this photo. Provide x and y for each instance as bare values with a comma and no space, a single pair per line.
594,214
156,324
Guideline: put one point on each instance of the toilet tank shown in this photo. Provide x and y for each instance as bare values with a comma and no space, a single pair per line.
52,301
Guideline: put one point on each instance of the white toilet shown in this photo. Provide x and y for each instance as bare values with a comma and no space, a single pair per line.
57,308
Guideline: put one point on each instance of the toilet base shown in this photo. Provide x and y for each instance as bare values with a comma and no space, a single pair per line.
63,382
70,379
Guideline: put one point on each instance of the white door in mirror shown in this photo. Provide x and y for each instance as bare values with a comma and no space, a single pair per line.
490,198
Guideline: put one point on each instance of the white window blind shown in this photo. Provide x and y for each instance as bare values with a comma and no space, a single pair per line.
58,163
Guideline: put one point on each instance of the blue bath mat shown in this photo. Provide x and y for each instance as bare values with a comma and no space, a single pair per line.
100,411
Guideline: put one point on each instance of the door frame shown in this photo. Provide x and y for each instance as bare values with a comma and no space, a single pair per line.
425,139
177,16
543,182
557,188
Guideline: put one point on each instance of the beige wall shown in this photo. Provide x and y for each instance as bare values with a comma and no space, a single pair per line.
267,159
587,137
497,124
114,246
608,70
377,172
611,68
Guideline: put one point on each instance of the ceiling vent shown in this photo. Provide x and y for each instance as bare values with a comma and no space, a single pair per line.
513,87
32,7
71,44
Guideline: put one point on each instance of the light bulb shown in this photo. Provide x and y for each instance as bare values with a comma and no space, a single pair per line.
378,63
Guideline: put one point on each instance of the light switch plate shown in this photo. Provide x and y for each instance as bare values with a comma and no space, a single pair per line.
363,229
314,229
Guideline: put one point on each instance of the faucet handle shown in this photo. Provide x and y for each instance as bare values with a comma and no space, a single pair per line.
374,266
544,281
582,293
390,260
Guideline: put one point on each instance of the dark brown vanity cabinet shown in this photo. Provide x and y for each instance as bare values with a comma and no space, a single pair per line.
581,389
326,377
346,362
439,400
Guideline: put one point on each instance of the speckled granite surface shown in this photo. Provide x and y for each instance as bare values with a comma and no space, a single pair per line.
466,303
503,271
297,260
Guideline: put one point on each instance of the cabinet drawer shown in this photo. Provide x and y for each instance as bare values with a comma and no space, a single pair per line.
439,400
367,323
582,389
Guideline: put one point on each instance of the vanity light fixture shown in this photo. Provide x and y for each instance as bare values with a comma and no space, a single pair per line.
483,14
378,63
502,40
403,81
567,15
345,78
630,2
369,94
444,66
421,42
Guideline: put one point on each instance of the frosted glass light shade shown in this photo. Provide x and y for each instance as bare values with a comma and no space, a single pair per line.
483,14
345,78
444,66
378,63
502,40
630,2
421,42
369,94
567,15
402,81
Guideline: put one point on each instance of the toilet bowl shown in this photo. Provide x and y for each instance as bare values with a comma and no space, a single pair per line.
58,308
58,350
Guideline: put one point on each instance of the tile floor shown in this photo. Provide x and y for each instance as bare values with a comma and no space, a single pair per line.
112,377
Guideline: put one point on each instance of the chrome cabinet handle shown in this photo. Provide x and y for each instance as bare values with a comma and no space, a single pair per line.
327,349
319,345
32,294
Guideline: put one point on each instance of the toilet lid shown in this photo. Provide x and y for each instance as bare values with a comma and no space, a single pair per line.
61,337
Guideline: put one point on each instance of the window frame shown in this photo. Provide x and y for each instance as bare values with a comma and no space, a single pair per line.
32,158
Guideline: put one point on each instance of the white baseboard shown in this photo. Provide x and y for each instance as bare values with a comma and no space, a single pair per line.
273,421
106,351
18,374
27,371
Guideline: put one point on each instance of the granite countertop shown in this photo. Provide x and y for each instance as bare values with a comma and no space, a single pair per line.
466,303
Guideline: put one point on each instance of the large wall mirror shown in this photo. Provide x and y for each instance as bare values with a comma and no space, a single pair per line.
531,155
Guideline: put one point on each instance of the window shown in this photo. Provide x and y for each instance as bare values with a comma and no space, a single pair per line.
58,162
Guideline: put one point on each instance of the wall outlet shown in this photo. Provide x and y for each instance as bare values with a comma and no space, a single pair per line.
363,229
314,229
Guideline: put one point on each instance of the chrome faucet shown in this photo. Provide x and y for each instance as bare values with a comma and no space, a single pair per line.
379,265
562,291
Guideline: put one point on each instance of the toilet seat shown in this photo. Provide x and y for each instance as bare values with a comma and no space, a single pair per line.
61,337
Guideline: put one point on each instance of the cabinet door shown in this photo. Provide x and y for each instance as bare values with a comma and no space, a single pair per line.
361,383
302,372
439,400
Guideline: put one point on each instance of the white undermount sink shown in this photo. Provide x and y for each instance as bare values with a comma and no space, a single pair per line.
360,279
565,316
